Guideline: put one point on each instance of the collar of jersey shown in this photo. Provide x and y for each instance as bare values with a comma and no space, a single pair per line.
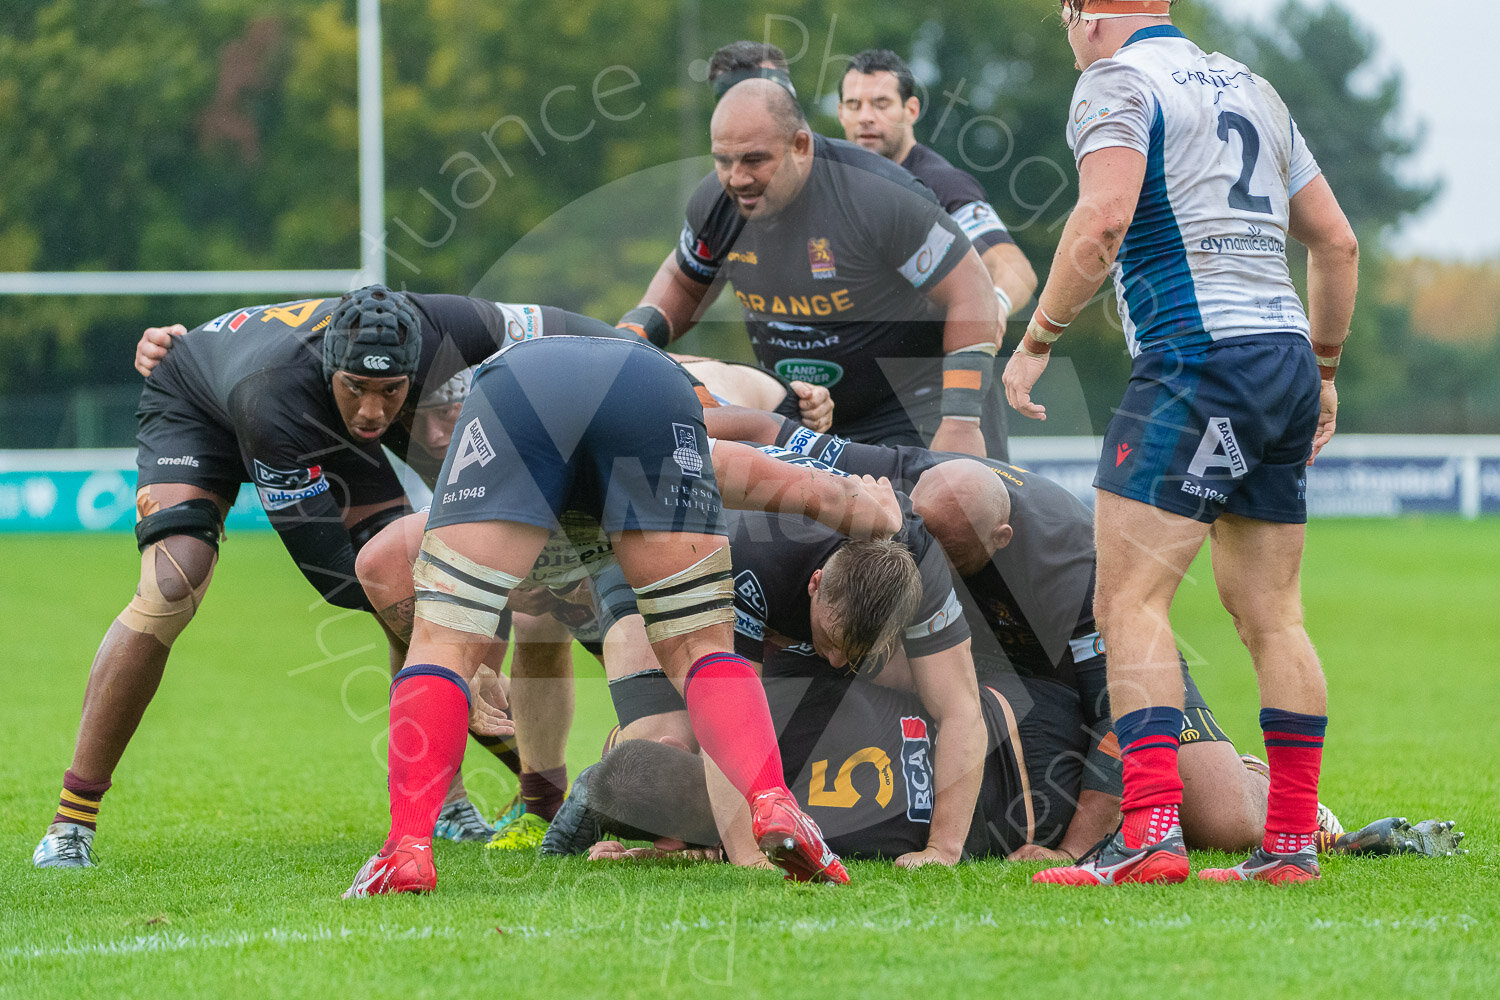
1159,31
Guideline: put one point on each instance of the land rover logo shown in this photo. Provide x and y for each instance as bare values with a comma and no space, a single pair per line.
810,370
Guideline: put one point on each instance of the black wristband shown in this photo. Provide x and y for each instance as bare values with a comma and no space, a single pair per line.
650,321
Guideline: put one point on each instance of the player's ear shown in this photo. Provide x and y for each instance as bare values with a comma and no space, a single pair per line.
802,142
1001,536
913,107
814,582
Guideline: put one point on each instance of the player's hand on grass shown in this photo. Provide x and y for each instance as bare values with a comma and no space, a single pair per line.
1328,411
962,436
928,856
154,344
613,850
1021,374
1036,852
816,405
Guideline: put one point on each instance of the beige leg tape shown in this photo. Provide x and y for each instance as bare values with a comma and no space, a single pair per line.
456,592
150,613
699,596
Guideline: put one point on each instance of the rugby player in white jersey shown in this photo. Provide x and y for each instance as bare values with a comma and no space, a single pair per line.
1191,176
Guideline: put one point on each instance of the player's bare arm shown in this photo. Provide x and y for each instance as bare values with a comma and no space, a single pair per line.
749,479
972,321
946,684
1012,274
1109,185
679,299
1318,223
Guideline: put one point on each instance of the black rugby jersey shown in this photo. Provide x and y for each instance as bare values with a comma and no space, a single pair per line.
961,196
859,758
835,284
774,558
257,374
1036,596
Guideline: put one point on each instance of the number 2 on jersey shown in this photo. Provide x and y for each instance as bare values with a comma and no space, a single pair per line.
1239,195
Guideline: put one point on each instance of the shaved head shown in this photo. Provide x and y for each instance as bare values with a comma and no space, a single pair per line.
759,104
967,508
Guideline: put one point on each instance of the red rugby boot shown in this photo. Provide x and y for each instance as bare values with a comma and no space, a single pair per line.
792,841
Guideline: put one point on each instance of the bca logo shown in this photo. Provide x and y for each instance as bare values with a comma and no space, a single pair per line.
473,447
376,362
747,589
916,766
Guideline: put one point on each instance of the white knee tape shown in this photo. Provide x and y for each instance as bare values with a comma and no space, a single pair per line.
456,592
699,596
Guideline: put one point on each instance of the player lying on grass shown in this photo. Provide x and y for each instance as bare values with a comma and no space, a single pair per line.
862,753
595,439
540,692
294,398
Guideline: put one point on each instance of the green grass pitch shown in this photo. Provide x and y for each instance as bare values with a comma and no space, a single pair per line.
256,788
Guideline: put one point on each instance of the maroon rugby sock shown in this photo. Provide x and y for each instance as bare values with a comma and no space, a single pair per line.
542,791
728,711
79,802
429,724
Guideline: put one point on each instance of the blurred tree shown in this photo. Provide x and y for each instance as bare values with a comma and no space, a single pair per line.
539,153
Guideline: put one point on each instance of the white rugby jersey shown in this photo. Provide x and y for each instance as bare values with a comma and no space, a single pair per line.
1205,257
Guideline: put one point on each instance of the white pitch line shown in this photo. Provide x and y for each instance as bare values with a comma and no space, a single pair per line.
172,941
175,942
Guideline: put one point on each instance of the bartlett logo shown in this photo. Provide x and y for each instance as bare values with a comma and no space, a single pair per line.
809,370
820,258
474,447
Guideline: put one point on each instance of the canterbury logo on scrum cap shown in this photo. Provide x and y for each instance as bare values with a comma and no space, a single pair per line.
376,362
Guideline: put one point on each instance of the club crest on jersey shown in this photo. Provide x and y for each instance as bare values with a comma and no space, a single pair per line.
474,447
686,454
820,258
747,588
282,488
916,766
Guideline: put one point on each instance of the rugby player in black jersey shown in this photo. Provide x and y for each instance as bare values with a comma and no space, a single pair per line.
878,108
294,398
808,603
860,756
849,273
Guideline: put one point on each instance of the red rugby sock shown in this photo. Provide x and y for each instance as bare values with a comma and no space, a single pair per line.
727,708
429,726
1294,749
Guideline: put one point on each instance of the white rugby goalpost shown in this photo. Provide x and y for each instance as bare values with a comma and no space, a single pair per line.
371,222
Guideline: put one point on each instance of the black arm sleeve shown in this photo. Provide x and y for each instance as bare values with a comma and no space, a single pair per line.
322,551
